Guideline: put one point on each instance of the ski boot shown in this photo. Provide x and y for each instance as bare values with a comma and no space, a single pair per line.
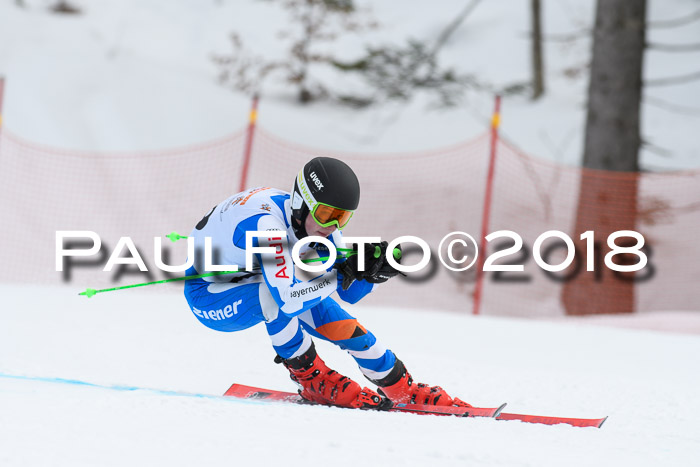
320,384
400,388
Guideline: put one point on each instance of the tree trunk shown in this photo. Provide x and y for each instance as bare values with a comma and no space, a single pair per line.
614,95
537,56
608,202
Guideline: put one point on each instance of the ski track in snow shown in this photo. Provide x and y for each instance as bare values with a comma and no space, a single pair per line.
642,379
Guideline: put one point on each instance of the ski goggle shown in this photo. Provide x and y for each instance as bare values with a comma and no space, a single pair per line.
326,215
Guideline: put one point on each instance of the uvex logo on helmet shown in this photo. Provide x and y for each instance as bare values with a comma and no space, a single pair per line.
317,182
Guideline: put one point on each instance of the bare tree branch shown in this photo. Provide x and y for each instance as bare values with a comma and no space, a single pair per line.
673,47
692,207
537,53
674,23
452,27
569,37
673,80
654,149
311,23
671,107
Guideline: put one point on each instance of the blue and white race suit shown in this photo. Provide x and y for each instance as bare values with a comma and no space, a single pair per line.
292,307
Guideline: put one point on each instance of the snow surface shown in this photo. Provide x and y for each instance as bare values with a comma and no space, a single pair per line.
645,381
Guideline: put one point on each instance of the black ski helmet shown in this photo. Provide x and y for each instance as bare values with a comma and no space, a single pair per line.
323,180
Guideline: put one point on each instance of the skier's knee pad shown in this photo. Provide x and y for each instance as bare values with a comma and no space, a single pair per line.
342,330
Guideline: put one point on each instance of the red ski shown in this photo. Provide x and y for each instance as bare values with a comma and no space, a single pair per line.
581,422
249,392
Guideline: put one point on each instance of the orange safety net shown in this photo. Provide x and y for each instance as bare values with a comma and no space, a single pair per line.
532,196
426,194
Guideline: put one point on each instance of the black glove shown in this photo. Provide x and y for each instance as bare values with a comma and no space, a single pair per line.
385,271
373,263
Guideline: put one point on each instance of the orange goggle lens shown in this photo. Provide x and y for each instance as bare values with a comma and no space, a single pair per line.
326,215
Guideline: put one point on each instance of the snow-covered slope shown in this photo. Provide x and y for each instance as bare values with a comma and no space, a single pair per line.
645,381
137,75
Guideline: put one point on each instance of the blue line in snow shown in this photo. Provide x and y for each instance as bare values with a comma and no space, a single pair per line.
77,382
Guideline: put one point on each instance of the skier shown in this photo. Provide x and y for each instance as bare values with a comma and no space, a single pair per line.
324,196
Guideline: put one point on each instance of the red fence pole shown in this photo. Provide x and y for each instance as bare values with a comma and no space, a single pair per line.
252,119
486,214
